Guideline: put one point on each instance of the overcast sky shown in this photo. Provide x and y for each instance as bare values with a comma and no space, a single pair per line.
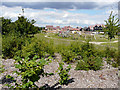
78,13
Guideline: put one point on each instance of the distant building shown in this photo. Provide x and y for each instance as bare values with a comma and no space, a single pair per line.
49,27
97,27
81,29
58,28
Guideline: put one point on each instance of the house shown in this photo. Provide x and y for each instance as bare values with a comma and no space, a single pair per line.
81,29
98,27
49,27
86,29
91,27
58,28
75,29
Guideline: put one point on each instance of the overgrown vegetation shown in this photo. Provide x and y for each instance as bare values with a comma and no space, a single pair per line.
89,63
39,47
63,73
25,43
29,70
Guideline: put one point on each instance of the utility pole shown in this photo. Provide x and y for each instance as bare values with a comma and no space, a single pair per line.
23,11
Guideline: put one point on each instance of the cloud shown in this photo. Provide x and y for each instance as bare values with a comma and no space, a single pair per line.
60,1
60,5
55,17
65,15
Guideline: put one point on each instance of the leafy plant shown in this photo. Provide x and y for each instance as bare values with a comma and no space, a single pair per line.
87,50
82,65
68,56
29,70
63,73
70,52
11,43
95,63
114,64
15,34
5,25
109,52
1,68
37,47
89,63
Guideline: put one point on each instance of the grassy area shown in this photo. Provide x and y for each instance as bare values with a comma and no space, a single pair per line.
66,41
82,38
57,43
112,45
62,42
98,39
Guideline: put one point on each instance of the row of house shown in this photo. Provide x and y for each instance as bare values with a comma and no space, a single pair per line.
65,28
52,29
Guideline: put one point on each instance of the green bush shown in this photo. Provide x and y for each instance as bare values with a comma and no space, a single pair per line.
109,61
117,58
89,63
82,65
95,63
109,52
68,56
1,68
70,52
11,43
37,47
63,73
112,61
75,51
114,64
87,50
30,71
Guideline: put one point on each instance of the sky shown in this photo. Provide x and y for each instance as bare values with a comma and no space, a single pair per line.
75,13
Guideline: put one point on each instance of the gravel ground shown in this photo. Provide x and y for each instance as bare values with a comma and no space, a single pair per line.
105,78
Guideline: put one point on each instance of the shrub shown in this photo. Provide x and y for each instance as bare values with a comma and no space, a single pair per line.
112,61
82,65
109,52
63,73
11,43
1,68
76,47
114,64
95,63
30,71
109,61
68,56
70,52
37,47
89,63
117,58
87,50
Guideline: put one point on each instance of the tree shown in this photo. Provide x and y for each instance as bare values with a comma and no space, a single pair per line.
112,26
5,25
21,26
24,27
